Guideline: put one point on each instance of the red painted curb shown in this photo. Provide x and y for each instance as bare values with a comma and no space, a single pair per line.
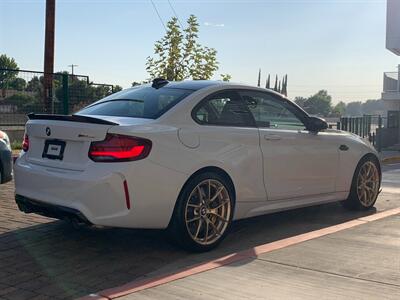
140,285
93,297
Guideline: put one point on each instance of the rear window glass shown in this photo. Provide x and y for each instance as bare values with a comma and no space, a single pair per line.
142,102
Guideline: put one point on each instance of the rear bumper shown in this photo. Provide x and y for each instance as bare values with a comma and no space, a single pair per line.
98,192
27,205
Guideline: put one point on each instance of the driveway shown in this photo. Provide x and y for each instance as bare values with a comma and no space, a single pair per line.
41,258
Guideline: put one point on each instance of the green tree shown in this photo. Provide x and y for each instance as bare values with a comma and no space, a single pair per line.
354,108
18,84
35,85
319,104
226,77
300,101
7,76
117,88
24,103
373,107
136,83
339,109
178,55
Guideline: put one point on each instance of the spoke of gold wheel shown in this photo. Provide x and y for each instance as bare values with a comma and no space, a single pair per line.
368,169
217,193
198,228
206,238
193,205
217,232
200,194
209,191
194,219
218,216
365,196
220,205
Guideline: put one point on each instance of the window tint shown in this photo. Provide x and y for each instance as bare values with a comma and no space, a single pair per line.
141,102
271,112
224,108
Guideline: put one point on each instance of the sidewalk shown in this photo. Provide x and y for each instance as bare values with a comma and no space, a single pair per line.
389,156
362,262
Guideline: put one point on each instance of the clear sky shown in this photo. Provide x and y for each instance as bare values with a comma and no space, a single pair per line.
321,44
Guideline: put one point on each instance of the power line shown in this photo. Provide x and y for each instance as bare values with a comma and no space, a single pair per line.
176,15
158,14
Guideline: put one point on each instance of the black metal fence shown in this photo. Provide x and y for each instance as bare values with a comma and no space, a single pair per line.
24,91
367,126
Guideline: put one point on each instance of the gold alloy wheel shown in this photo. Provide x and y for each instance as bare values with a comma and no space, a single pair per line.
208,211
368,183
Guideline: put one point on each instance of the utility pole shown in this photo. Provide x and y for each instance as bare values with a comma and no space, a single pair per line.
72,68
49,54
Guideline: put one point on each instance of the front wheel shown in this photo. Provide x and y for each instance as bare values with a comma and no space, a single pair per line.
365,185
203,212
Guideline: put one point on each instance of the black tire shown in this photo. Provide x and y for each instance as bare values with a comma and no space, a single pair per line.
1,174
179,230
353,202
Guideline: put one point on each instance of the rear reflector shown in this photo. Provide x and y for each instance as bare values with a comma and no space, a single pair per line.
118,148
127,199
25,143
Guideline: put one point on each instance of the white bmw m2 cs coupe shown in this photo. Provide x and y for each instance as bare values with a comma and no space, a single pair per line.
190,157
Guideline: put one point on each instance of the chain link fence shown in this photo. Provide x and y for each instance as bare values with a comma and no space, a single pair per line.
25,91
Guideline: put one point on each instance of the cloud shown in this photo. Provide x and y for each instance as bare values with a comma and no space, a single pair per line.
214,24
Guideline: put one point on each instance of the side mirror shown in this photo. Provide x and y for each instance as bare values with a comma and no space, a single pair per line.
316,124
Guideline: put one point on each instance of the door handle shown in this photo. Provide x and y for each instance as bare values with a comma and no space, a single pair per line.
272,137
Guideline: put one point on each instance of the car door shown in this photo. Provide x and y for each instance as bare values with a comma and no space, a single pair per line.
297,162
229,138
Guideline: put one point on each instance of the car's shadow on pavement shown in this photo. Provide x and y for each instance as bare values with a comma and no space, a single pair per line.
56,260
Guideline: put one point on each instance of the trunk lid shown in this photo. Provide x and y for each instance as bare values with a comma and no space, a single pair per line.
70,136
74,136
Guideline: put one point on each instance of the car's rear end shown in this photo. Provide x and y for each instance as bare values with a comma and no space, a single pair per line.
95,168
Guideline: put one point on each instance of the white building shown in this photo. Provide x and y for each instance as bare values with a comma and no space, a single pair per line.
391,80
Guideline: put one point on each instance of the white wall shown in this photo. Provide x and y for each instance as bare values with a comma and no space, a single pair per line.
393,26
391,105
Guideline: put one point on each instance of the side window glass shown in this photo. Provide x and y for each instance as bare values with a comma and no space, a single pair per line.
270,112
225,108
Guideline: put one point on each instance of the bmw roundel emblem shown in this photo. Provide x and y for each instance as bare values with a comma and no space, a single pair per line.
48,131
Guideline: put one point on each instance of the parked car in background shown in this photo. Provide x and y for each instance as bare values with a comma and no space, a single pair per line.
5,158
190,156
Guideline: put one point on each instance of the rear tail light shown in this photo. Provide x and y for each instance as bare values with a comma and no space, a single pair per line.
117,148
25,143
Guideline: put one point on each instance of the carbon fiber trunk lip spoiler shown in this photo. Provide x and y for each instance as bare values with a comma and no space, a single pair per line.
70,118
